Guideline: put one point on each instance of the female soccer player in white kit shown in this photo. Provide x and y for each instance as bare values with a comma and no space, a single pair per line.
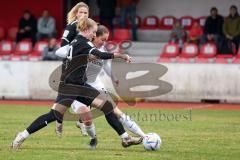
93,70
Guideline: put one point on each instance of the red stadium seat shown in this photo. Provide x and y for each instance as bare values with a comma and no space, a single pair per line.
36,54
22,51
38,48
167,22
2,33
122,34
202,20
138,22
170,50
187,22
6,49
190,50
12,33
23,48
150,22
208,50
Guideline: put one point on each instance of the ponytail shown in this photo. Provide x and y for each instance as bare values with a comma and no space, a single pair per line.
85,23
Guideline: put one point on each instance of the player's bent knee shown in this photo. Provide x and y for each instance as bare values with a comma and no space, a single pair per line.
79,107
59,107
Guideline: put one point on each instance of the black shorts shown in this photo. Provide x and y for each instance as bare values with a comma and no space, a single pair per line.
85,97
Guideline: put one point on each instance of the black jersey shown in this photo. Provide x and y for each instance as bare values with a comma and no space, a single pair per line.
69,33
74,67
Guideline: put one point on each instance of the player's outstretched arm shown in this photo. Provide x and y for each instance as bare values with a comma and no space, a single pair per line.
125,57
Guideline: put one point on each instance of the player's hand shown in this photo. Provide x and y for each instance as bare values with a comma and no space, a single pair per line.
127,58
92,58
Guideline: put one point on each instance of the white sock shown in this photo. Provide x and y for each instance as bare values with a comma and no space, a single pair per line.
131,125
124,135
91,131
25,134
58,124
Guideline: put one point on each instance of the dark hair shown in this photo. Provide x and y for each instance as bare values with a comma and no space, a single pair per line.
234,7
213,9
101,30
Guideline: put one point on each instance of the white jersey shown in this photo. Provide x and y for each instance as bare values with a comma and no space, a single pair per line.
95,67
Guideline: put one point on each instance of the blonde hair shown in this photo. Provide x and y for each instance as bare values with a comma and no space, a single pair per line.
85,23
71,16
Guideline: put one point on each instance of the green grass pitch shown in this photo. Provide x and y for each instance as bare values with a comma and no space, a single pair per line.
186,135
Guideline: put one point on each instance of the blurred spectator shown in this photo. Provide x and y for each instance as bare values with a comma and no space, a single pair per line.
178,34
27,27
231,27
49,51
107,12
128,8
46,26
195,33
213,28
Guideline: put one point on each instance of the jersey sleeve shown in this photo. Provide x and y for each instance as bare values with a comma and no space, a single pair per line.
68,35
101,55
89,49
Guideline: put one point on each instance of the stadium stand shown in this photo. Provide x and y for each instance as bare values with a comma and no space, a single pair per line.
201,20
121,34
208,50
187,22
36,54
167,22
138,21
189,50
23,49
150,22
6,49
170,50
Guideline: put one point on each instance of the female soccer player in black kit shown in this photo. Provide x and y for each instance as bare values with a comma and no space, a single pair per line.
81,10
73,85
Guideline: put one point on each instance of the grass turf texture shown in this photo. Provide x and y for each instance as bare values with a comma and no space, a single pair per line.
199,134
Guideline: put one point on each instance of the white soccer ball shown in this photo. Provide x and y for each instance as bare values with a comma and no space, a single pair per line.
152,142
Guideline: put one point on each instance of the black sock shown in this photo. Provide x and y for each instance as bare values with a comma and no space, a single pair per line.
59,121
43,120
114,123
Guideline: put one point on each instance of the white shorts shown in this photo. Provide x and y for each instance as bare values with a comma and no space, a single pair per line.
98,85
